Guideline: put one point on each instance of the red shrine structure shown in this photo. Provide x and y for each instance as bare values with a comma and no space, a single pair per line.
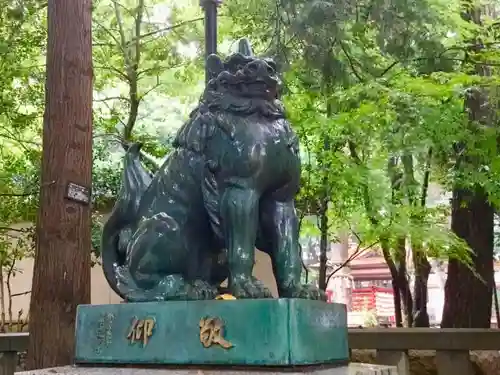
365,287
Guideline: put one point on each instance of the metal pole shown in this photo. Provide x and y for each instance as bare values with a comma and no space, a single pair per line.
210,8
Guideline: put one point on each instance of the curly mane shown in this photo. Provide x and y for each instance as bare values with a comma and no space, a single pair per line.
240,86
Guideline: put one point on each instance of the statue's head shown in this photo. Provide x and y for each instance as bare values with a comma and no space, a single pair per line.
243,80
239,87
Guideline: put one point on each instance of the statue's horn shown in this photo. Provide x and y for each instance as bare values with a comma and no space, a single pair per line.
245,48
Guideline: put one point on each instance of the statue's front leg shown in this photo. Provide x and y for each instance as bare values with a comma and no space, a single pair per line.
240,215
280,239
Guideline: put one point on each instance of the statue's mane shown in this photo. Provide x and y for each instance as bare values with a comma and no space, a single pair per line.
241,90
239,87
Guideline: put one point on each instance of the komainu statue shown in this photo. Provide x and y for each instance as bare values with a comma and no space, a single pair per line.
227,188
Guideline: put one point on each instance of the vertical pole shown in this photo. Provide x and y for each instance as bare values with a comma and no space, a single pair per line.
210,8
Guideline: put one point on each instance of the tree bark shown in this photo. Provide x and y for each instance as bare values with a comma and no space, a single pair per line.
402,280
398,316
421,265
61,279
2,300
467,297
323,246
397,264
422,269
395,280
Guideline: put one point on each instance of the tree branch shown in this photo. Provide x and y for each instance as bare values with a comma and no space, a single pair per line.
425,182
9,229
351,62
366,193
18,194
112,98
353,256
169,28
21,294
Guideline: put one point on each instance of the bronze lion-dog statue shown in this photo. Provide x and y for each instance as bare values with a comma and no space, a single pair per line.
227,188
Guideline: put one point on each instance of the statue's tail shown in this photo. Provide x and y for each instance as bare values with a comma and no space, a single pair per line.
119,227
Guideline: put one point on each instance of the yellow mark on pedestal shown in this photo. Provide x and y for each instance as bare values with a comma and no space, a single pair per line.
141,330
212,332
225,297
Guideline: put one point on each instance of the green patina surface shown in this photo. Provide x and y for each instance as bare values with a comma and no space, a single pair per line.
227,188
262,332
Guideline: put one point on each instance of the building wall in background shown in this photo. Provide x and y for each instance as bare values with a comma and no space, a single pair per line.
101,293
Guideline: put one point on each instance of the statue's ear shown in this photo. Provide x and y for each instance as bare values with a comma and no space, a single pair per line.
245,48
214,66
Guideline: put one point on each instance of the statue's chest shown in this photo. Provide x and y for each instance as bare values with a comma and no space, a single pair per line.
269,148
271,137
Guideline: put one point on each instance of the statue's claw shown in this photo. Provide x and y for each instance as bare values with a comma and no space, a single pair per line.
170,288
304,292
201,290
249,288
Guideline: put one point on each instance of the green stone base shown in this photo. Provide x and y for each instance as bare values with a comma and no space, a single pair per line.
267,332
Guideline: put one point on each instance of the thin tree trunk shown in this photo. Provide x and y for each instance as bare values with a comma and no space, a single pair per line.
2,299
327,77
61,279
397,264
495,300
394,281
420,289
131,50
398,308
402,281
9,294
421,265
323,247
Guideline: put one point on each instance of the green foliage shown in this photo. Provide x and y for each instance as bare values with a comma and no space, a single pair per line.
147,62
375,90
22,36
147,74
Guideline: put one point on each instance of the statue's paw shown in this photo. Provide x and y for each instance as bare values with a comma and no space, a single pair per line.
171,287
201,290
304,292
249,288
128,288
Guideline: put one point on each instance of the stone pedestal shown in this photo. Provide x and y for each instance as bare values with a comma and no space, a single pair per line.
352,369
243,337
253,332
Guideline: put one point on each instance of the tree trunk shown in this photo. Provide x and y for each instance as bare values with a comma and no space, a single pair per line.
467,297
395,282
495,299
9,295
323,246
422,267
420,291
402,280
398,316
61,279
2,300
